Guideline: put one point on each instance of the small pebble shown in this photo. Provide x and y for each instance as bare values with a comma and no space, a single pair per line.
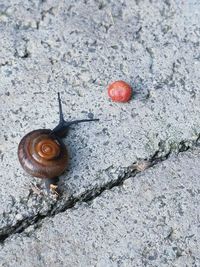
120,91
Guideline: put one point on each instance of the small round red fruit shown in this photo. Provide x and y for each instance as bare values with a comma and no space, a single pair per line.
120,91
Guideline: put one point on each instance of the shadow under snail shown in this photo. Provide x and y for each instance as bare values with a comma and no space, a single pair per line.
42,152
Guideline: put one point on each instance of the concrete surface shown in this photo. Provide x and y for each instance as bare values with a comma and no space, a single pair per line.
77,48
150,220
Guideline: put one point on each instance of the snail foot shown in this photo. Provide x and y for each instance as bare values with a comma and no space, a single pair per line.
52,185
54,189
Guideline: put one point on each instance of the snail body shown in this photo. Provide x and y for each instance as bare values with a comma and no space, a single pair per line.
42,152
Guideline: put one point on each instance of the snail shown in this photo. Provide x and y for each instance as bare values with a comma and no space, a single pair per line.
42,152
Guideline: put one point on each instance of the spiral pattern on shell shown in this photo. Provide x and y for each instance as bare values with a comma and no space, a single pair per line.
42,155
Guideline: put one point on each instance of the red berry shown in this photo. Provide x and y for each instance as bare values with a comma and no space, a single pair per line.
119,91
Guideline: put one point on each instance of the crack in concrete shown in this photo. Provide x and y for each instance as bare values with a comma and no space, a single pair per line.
151,55
138,167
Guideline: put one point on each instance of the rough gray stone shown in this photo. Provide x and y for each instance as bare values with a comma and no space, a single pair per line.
151,220
77,48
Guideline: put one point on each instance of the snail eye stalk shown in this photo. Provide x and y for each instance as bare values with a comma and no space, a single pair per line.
63,126
60,109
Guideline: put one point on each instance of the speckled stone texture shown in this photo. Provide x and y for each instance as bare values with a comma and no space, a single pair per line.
78,48
150,220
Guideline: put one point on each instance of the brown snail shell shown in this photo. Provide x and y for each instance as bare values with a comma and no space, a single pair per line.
42,155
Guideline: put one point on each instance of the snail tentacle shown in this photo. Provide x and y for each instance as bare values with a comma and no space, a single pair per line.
61,129
60,109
